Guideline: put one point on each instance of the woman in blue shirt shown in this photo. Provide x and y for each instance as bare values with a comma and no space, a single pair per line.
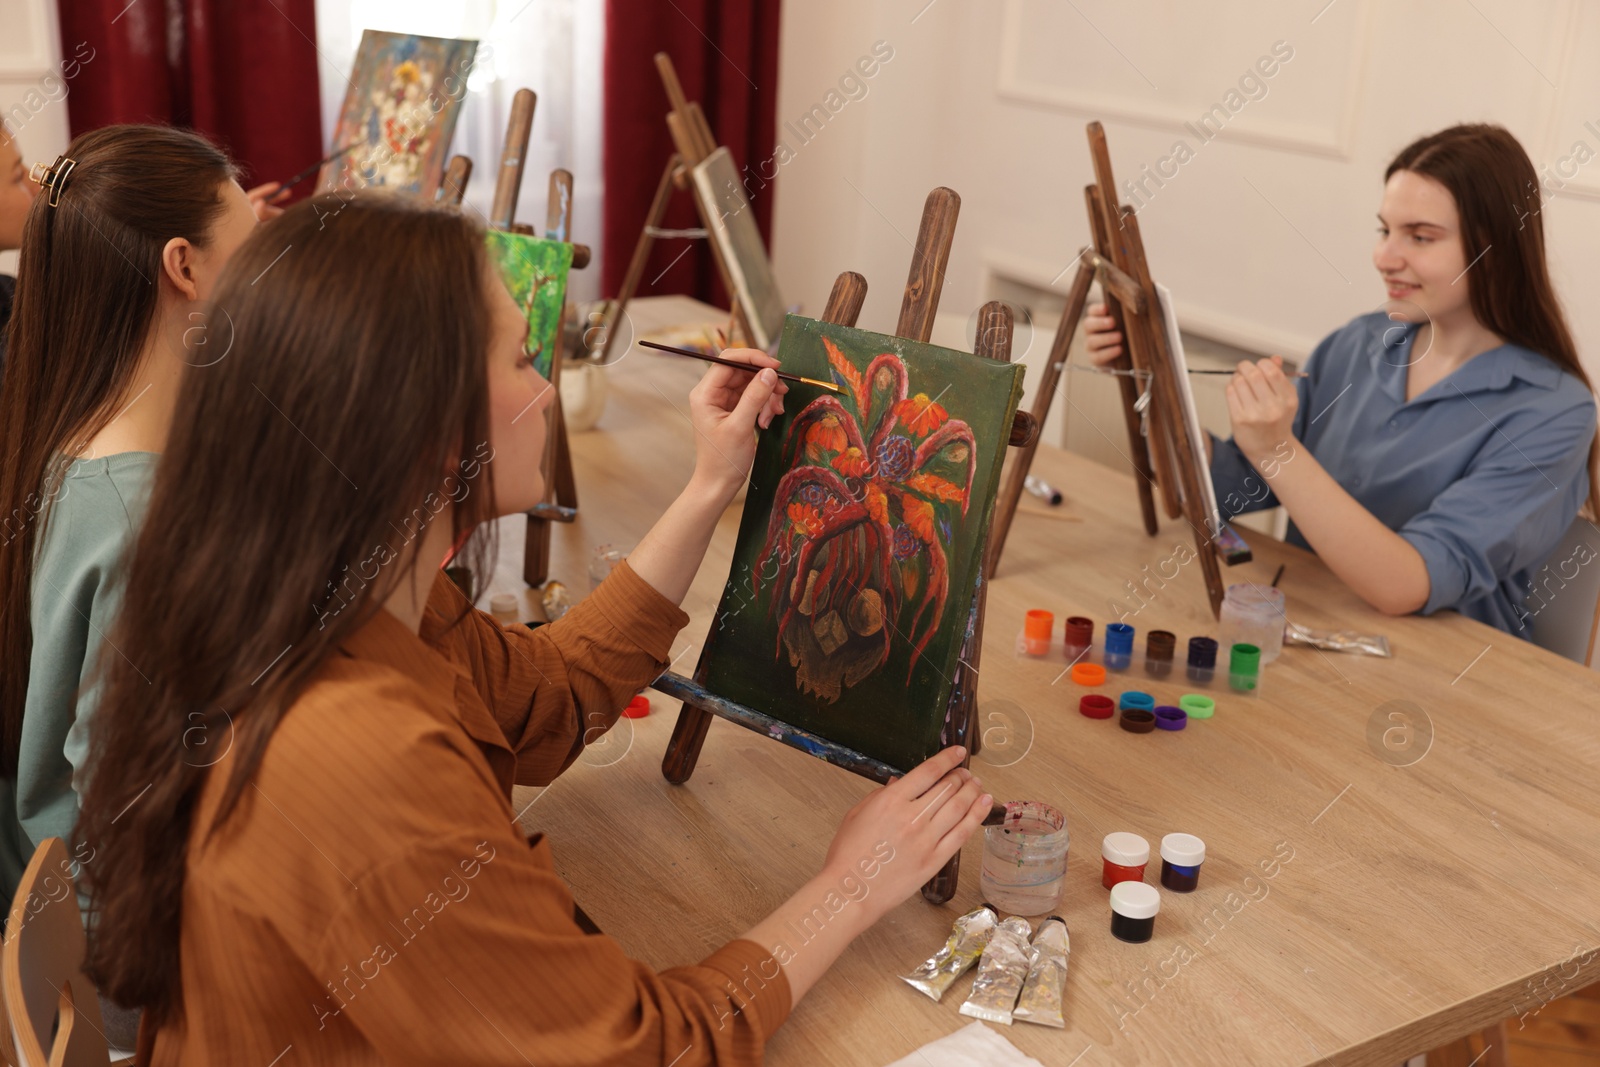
1439,448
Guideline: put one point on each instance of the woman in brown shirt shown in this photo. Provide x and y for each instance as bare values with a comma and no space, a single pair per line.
300,784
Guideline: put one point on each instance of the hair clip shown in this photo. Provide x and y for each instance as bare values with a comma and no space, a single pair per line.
53,177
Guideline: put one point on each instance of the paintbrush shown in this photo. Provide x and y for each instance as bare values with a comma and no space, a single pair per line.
285,186
1286,374
996,816
692,354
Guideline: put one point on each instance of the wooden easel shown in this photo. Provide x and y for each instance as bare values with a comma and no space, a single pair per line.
456,175
559,481
1118,261
694,141
917,310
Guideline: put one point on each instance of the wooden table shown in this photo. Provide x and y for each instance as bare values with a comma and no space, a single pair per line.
1425,897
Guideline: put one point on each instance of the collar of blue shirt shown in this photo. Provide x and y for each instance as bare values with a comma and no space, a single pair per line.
1389,349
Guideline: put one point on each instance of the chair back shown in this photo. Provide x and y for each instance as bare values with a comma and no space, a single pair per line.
1564,603
53,1008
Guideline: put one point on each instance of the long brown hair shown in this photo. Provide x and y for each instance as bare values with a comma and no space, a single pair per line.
87,291
1496,191
355,383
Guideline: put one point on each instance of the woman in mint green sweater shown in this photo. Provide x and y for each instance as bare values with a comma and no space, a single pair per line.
119,253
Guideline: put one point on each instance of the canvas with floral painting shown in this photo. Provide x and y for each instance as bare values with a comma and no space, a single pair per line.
400,111
862,535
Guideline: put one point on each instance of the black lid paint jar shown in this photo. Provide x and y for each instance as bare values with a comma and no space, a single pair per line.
1133,911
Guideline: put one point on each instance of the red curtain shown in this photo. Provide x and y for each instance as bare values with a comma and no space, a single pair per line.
243,72
726,54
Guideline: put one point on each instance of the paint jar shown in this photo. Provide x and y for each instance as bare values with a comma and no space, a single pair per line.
1095,706
1202,659
1158,649
1119,646
1253,615
1197,706
1077,638
1090,674
603,562
1133,911
1244,668
1181,857
1036,627
503,606
1025,859
1125,856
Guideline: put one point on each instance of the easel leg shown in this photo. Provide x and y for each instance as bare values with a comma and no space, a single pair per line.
683,750
641,257
561,477
942,886
1022,462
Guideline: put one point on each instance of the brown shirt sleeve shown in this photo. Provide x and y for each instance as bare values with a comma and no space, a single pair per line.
560,686
474,926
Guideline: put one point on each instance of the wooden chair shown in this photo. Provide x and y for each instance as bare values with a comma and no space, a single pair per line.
49,1002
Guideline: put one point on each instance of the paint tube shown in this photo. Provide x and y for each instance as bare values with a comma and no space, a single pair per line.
1337,640
966,943
1047,975
1001,972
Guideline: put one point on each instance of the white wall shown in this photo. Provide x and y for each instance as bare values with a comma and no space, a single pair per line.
33,90
553,47
1264,235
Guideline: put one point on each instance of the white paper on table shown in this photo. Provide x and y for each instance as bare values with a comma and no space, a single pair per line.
974,1045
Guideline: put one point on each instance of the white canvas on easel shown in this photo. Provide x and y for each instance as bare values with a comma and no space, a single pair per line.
1232,547
732,226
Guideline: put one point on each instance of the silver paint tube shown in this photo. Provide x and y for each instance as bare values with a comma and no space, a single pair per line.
961,950
1047,975
1001,972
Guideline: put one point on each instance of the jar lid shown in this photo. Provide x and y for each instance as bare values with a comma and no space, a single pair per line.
1137,720
1135,900
1096,706
503,604
1088,674
1183,850
1125,849
1197,706
1134,698
1169,717
638,707
1244,659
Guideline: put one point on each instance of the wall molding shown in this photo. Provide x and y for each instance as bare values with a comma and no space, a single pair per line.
1333,143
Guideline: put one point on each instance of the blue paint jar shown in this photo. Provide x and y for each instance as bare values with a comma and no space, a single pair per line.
1202,659
1118,646
1181,857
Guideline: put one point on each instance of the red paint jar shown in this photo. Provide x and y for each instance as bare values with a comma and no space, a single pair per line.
1125,856
1077,637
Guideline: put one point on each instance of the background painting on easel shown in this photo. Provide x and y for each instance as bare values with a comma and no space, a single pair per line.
401,108
535,271
863,529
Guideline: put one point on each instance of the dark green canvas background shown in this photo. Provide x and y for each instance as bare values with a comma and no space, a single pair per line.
882,716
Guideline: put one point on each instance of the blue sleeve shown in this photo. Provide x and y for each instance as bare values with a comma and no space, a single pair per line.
1509,509
1240,487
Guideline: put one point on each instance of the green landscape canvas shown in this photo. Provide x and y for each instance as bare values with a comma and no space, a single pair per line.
535,271
862,535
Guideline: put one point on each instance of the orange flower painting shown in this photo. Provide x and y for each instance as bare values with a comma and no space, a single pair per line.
859,546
